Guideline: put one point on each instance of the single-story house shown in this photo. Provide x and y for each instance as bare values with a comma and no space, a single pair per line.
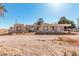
39,28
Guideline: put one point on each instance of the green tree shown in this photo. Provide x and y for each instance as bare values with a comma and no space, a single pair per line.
2,10
40,21
64,20
72,24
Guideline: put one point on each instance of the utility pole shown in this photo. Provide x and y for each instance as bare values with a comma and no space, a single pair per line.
16,21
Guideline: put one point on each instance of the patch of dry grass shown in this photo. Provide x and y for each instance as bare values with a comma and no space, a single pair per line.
37,46
9,51
68,40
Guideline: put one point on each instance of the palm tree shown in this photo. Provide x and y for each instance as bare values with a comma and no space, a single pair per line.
2,10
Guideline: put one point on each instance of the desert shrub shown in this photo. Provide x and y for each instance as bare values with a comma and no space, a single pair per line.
74,53
41,40
65,54
66,40
71,41
60,43
60,39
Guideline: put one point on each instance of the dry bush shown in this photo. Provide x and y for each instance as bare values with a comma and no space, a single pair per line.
41,40
74,53
70,53
67,40
60,39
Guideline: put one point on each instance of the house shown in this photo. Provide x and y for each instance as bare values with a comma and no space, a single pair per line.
54,27
20,28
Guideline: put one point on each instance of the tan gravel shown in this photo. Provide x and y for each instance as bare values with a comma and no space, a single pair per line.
38,45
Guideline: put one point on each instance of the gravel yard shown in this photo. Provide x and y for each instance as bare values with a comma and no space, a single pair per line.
38,45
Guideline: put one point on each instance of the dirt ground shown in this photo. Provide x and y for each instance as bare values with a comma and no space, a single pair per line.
39,45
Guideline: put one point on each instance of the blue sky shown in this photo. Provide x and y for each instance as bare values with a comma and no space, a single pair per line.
28,13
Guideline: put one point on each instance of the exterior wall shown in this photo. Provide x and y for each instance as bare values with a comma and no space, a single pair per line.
30,28
48,26
19,28
44,27
59,28
55,28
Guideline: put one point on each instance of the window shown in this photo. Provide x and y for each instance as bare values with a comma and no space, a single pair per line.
65,27
18,28
45,28
69,27
31,28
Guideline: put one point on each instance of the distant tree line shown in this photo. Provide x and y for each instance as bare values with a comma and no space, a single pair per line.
62,20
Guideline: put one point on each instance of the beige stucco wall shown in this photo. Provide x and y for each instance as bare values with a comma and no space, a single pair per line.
57,27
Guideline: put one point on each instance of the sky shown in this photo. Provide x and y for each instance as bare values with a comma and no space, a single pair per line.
28,13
